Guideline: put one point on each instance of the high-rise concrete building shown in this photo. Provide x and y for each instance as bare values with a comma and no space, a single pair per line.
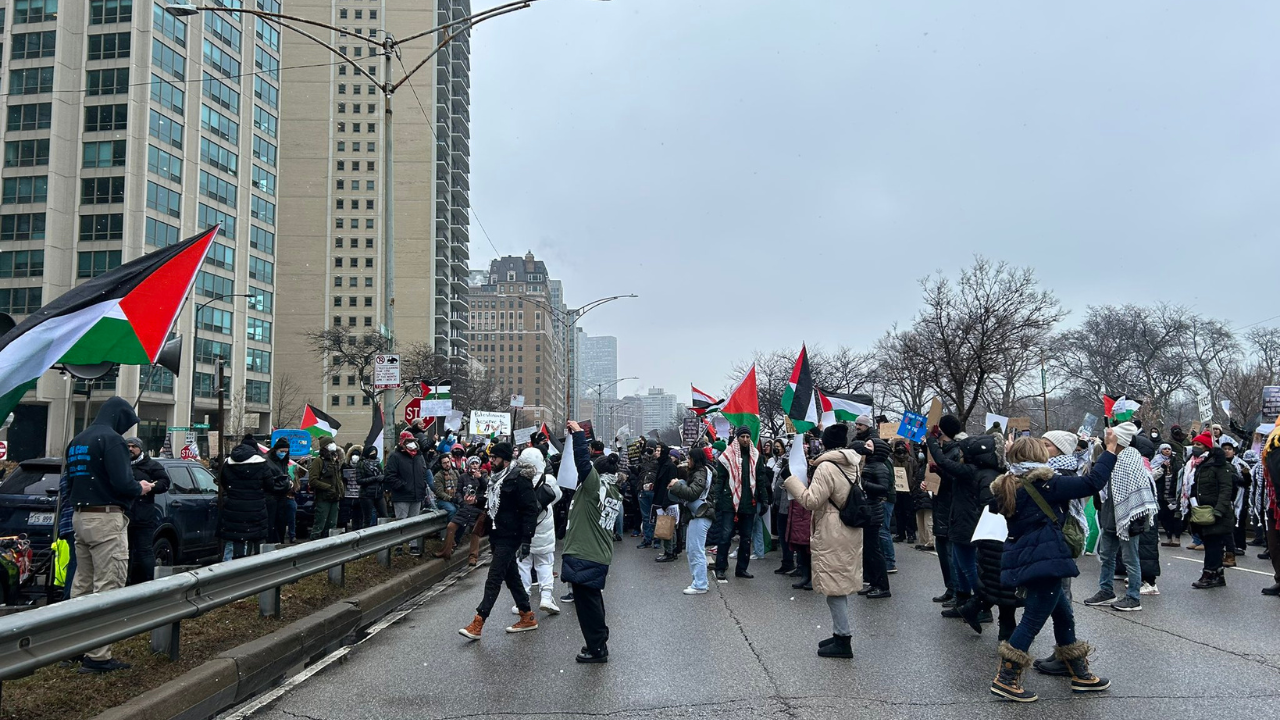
598,363
126,130
333,134
659,409
513,334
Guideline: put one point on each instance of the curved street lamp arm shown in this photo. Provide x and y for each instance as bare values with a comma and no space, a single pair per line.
470,23
472,19
578,313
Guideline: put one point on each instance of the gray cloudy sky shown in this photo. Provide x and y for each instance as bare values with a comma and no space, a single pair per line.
771,161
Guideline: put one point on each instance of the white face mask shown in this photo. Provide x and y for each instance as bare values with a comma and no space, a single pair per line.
411,446
331,447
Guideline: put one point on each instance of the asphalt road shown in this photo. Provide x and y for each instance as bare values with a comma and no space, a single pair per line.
747,650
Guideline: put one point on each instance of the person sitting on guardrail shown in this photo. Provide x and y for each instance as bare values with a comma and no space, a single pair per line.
144,516
246,478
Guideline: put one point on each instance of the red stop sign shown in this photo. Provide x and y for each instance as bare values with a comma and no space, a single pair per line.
412,410
4,450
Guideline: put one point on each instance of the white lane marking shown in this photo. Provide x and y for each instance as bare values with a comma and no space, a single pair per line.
1201,561
253,706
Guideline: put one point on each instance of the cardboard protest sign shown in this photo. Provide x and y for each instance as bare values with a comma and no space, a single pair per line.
900,480
935,413
1019,424
888,431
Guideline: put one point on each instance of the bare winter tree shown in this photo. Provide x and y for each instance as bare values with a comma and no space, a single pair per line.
470,386
286,401
967,328
1242,385
344,351
1265,345
843,370
1211,351
773,372
901,376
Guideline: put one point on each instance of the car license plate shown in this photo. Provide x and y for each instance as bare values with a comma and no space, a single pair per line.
39,518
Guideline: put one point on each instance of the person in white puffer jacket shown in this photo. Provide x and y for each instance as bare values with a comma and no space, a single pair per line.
542,551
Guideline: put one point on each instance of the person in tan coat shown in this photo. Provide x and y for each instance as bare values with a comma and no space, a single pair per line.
836,549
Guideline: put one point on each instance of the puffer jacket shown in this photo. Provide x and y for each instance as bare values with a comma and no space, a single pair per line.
694,493
245,479
877,482
1035,548
369,476
544,537
407,477
1215,487
512,507
966,483
942,499
990,561
920,498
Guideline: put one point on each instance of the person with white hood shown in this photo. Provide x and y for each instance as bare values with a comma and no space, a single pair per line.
542,551
1126,508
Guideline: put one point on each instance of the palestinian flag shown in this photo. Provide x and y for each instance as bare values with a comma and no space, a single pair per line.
798,399
1120,410
711,430
375,436
743,405
316,422
436,392
122,316
843,408
704,403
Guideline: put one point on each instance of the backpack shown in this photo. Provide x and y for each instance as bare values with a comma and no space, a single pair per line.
1072,533
980,451
856,512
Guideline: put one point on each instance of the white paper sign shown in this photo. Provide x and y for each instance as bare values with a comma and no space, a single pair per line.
993,418
523,434
991,527
489,423
568,476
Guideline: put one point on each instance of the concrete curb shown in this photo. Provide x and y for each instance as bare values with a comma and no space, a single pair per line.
247,670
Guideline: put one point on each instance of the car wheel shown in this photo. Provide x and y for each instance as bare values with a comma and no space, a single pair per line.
164,552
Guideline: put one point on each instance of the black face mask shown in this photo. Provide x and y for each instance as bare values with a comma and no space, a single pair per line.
1197,452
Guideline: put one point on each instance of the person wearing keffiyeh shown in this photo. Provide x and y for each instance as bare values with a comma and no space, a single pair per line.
1126,506
738,498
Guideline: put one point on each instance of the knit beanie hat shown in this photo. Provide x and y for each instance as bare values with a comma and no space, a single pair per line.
1124,433
950,425
1205,438
502,450
1063,440
835,436
863,420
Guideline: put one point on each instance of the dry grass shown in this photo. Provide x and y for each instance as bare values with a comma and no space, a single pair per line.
55,693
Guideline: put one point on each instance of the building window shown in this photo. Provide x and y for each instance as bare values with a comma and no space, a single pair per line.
107,153
34,11
221,61
221,93
266,92
110,226
337,262
165,129
102,190
264,121
95,263
110,81
110,46
266,62
212,286
219,124
262,301
219,157
171,27
216,188
221,28
268,33
22,264
33,45
265,151
168,60
257,360
158,380
35,116
20,301
29,81
261,270
207,217
158,234
33,189
262,240
212,319
110,11
163,199
98,118
257,391
221,256
258,330
168,95
164,165
210,351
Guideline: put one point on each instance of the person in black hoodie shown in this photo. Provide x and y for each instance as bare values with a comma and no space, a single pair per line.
663,504
966,480
102,486
144,516
513,507
245,480
877,482
278,496
372,495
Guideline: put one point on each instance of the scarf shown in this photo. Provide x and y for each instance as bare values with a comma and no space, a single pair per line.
493,493
141,456
1133,491
1071,464
1189,483
731,458
1022,468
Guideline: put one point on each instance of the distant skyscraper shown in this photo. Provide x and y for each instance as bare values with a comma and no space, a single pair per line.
659,409
599,363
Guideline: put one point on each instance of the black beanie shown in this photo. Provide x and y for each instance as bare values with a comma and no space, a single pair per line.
950,426
835,436
501,451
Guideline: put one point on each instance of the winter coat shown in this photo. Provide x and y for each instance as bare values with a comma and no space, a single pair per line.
469,513
1149,552
691,493
664,474
444,485
877,482
544,537
799,523
370,477
990,560
1144,446
1035,548
722,491
325,477
920,498
966,483
144,511
245,479
1215,487
280,467
407,477
98,469
835,548
942,499
780,474
516,517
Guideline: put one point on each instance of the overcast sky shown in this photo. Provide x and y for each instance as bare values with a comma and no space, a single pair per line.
769,173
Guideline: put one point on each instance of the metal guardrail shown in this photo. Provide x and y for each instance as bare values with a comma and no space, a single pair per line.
40,637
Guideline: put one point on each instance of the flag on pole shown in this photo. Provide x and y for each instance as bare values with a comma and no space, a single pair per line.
316,422
122,316
711,430
798,400
843,408
374,438
1121,409
742,408
704,403
437,400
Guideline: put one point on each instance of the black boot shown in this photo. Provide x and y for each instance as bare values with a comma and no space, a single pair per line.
1008,682
954,610
805,582
1052,666
785,569
1210,579
969,613
1274,590
840,647
945,597
1076,658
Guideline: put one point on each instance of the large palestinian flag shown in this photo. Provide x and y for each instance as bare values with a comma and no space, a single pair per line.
743,405
1121,409
122,316
318,423
704,403
843,408
798,399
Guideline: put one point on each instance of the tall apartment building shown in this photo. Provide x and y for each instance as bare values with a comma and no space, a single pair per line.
598,366
126,130
659,409
513,334
334,130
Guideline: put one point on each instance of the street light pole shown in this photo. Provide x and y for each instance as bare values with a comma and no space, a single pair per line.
599,390
195,362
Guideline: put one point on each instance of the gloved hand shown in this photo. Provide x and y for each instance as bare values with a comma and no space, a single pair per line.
524,550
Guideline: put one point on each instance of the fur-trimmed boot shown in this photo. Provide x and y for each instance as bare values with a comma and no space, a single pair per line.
1008,682
1076,658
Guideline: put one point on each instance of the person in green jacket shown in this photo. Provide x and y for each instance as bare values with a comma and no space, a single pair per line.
325,481
588,547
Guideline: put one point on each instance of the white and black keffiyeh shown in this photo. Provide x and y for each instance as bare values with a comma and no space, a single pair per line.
1133,491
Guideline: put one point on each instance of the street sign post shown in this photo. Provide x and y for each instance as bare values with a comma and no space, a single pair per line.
386,372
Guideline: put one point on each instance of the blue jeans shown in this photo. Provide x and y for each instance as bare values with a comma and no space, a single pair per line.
695,541
964,567
646,515
1045,599
757,537
449,508
232,549
1108,545
886,537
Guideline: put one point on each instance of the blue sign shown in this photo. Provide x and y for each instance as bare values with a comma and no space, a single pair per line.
299,442
912,427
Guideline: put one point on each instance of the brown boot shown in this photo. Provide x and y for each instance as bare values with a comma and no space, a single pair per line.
528,621
1229,560
450,534
473,558
473,630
